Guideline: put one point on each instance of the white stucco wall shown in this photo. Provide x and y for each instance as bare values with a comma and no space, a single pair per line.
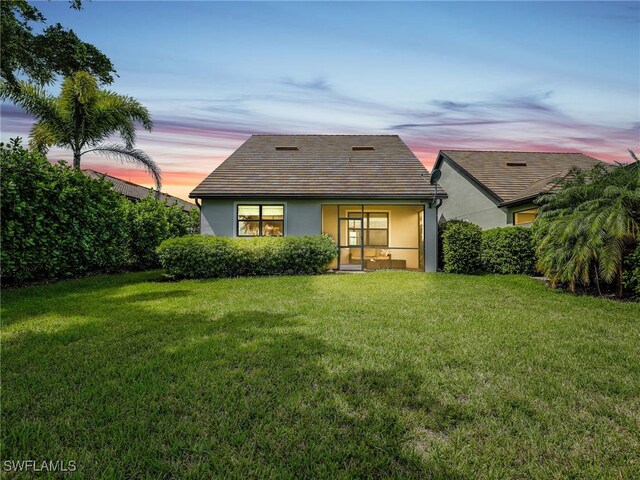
466,201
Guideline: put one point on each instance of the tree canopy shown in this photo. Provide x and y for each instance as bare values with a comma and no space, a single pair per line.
42,56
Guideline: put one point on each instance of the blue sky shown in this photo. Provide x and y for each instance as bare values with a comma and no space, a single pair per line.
473,75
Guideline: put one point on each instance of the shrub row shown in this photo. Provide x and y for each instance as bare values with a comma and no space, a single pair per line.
59,223
461,245
205,256
508,250
467,249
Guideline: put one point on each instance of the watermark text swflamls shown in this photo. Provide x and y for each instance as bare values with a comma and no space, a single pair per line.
39,466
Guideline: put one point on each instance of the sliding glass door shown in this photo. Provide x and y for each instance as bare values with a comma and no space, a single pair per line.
351,237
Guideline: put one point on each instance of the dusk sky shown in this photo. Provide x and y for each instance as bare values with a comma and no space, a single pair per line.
494,76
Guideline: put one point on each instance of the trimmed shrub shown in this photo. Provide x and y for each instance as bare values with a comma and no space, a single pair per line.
461,245
507,250
149,223
442,227
207,256
56,222
59,223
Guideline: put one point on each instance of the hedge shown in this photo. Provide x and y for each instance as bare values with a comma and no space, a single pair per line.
59,223
56,222
442,227
206,256
461,245
508,250
149,222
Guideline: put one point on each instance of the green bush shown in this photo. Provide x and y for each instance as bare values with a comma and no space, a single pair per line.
507,250
205,256
442,227
461,245
149,223
631,273
56,222
59,223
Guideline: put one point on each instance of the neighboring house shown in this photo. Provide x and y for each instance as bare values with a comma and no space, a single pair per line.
494,189
136,192
369,192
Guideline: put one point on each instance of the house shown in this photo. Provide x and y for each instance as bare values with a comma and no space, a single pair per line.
135,192
494,189
369,192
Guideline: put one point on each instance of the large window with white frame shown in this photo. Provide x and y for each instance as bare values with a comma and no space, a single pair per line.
260,220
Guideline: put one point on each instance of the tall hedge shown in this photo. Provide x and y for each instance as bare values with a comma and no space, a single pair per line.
56,222
59,223
507,250
206,256
442,227
149,223
461,245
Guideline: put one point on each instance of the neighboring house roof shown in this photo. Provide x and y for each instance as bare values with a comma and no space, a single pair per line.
319,166
515,177
137,192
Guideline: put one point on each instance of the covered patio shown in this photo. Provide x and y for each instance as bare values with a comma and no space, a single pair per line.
374,237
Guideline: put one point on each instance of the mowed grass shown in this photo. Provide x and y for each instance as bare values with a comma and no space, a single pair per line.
388,374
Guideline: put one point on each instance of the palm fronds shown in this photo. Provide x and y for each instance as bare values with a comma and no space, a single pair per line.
130,155
82,117
588,224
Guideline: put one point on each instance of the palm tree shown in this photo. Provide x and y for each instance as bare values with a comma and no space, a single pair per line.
588,224
82,117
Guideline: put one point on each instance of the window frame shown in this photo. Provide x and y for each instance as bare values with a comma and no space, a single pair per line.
365,218
526,210
260,219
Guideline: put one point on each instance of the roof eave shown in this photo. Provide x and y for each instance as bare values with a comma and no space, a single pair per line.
518,201
320,196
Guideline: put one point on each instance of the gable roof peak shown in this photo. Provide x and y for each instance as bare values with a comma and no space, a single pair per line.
323,166
491,169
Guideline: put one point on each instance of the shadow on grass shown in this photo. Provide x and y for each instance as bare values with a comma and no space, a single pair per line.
138,390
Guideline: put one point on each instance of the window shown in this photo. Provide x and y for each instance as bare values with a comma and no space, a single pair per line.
525,217
375,227
260,220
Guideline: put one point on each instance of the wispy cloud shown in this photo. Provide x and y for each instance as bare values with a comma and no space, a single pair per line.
318,83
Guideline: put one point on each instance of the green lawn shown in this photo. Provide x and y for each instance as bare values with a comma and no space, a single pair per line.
389,374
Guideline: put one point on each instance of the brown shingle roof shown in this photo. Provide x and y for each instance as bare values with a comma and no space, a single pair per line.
516,182
323,166
137,192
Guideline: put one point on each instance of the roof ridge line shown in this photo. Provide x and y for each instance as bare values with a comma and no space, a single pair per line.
513,151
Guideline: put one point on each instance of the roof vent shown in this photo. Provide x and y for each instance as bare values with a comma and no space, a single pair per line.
287,147
361,147
516,164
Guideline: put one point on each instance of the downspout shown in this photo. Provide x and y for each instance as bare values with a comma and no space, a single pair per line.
435,203
199,205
